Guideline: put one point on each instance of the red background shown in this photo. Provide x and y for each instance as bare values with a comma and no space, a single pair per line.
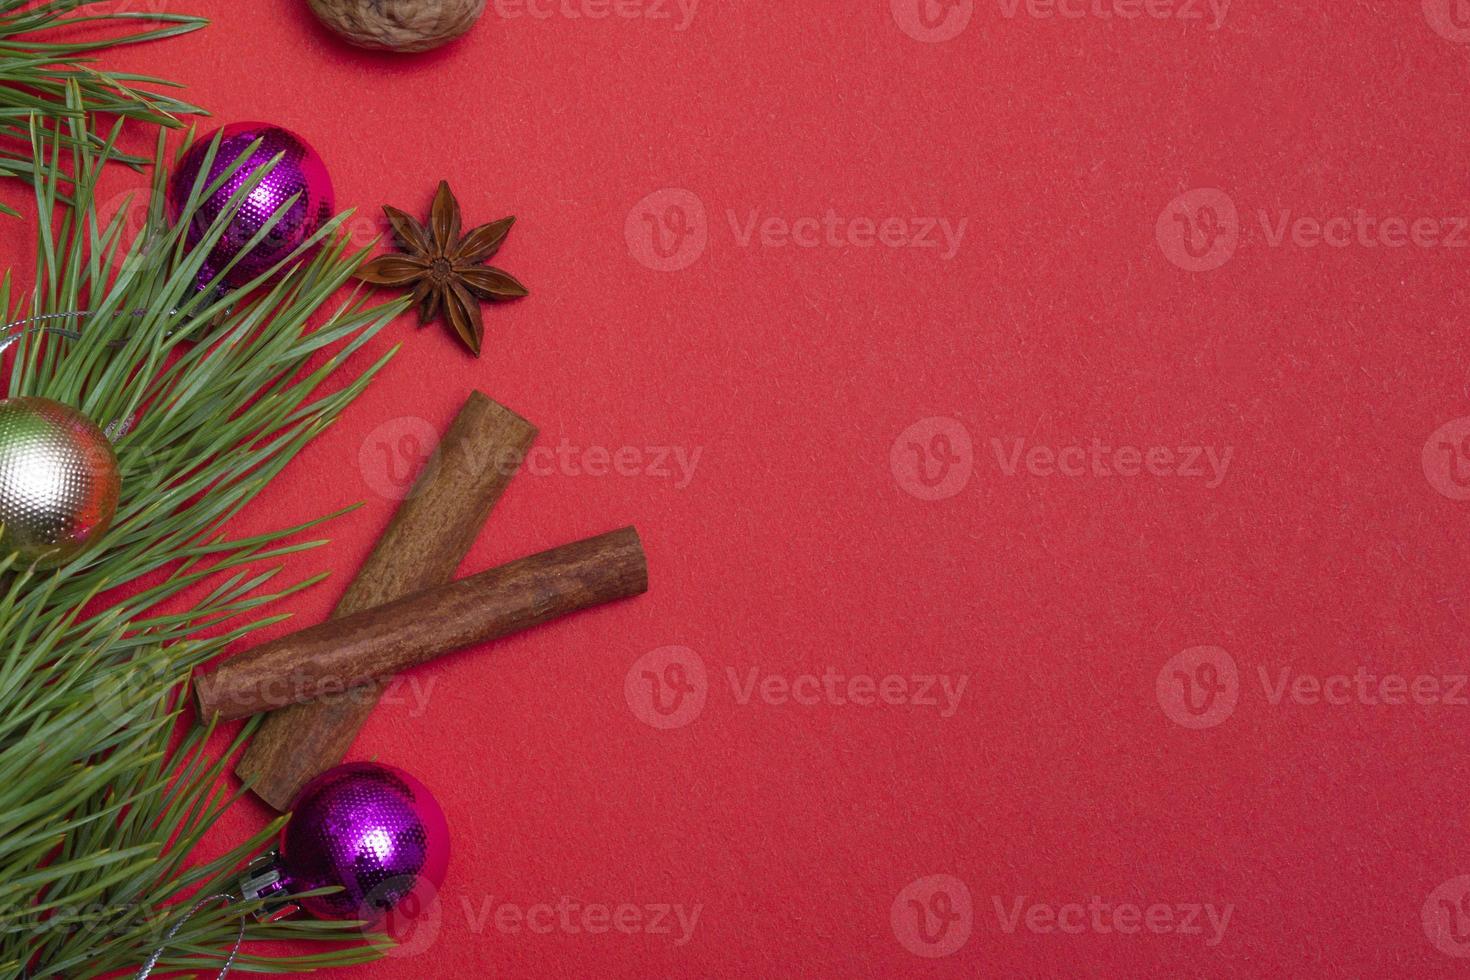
795,546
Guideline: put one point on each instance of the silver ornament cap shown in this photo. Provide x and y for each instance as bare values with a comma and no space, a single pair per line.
59,481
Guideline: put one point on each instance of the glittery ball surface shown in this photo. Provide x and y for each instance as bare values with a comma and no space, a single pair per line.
374,830
59,481
299,171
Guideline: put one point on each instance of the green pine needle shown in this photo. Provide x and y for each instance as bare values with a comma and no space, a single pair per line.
103,791
45,52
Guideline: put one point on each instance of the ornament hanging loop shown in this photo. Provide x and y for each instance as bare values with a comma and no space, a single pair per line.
9,341
147,969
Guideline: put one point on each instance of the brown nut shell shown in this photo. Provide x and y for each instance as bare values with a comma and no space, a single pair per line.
398,25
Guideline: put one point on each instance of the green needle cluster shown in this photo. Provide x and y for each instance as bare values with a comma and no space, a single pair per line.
104,787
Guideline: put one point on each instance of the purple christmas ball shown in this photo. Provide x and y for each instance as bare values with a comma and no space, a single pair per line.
300,171
374,830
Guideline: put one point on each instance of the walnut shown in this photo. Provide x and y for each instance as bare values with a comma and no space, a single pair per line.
399,25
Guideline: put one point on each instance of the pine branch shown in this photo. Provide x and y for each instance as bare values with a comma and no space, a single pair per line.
46,50
102,799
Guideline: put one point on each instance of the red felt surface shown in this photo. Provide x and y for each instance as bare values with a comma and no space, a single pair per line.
804,541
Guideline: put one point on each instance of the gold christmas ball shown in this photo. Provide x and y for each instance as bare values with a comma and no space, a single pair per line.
59,481
399,25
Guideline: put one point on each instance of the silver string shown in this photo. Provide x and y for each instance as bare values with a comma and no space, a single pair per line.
147,968
71,334
115,429
6,342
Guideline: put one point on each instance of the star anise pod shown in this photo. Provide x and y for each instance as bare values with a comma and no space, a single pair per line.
444,268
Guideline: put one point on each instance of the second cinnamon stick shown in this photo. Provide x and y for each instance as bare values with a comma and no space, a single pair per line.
370,645
429,536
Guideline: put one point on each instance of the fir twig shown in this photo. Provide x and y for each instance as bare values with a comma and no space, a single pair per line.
47,49
102,800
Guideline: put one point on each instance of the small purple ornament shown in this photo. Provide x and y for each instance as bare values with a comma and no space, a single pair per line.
374,830
300,171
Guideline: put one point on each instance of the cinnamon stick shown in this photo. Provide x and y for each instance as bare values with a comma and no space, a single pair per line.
376,643
423,546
